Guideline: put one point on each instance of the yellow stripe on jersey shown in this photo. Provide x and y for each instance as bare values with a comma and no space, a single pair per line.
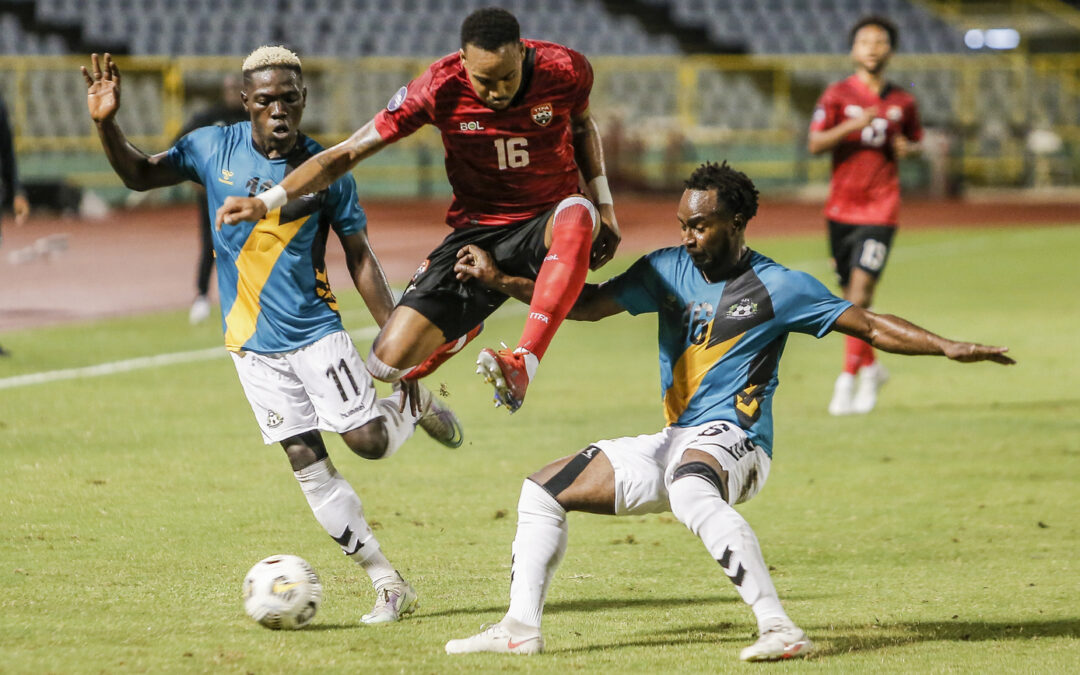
253,267
322,289
689,371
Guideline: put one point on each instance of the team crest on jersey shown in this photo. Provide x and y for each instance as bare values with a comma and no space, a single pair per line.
894,113
742,309
397,99
273,420
541,114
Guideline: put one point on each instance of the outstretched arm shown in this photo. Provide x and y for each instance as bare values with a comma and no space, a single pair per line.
316,174
589,154
138,170
899,336
594,302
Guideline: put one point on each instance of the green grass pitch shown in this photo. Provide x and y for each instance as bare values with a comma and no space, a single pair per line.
938,534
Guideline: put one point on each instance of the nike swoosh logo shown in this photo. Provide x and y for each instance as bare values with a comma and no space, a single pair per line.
510,644
282,588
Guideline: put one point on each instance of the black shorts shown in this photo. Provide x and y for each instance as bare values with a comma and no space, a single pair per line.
458,306
865,247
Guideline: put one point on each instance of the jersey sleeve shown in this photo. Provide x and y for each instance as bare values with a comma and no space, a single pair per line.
583,71
639,289
346,215
191,151
806,306
826,112
411,107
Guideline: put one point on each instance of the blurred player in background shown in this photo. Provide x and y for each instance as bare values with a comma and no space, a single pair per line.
724,313
11,191
867,124
298,367
515,123
229,110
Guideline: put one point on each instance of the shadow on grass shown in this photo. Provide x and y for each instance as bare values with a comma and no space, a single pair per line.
847,639
869,638
600,604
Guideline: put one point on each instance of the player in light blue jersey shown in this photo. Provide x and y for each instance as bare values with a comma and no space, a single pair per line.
298,367
724,314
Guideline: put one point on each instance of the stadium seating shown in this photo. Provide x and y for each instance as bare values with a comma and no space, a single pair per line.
990,103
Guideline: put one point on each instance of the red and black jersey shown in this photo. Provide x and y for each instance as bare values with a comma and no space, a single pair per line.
504,166
865,186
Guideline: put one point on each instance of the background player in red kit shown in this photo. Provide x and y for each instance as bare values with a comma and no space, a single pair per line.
515,124
868,124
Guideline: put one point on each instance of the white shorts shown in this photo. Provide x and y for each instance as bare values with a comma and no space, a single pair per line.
321,386
644,464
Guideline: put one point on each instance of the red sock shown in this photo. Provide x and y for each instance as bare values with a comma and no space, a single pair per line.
561,276
857,354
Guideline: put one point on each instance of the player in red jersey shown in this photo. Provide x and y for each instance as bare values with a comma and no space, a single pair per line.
868,124
515,124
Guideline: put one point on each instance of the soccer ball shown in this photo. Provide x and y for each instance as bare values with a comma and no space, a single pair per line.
282,591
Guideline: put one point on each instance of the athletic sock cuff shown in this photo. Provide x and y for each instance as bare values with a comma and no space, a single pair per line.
383,372
536,500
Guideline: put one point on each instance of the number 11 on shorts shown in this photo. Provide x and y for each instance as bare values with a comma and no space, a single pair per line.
332,374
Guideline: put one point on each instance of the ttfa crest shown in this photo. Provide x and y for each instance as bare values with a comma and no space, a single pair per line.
541,114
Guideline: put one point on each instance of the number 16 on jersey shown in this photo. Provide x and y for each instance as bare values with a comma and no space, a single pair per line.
513,152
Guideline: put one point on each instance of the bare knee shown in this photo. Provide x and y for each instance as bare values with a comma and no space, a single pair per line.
369,441
304,449
406,339
581,482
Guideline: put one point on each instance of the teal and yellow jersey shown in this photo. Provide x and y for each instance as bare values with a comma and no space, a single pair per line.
275,295
720,343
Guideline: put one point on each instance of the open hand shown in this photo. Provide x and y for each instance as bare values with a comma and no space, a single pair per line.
969,352
102,88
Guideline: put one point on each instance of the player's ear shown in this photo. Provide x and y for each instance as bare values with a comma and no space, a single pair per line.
461,54
303,95
739,222
244,100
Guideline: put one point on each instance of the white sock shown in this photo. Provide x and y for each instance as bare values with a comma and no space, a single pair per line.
338,509
727,536
376,565
399,425
538,548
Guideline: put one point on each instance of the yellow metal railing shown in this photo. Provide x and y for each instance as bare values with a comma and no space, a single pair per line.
760,104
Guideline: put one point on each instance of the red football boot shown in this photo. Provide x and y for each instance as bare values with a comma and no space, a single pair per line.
506,371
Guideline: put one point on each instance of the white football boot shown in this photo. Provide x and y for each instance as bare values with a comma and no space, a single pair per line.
871,379
843,393
392,602
509,636
439,421
780,640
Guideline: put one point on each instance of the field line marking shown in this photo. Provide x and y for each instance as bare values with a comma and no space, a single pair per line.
369,332
139,363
